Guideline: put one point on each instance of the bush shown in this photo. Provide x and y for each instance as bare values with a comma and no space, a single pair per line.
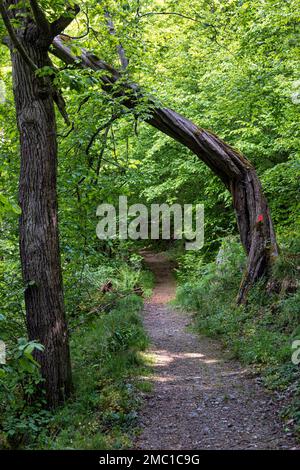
107,337
107,364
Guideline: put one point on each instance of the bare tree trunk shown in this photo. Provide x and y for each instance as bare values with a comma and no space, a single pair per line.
39,241
236,172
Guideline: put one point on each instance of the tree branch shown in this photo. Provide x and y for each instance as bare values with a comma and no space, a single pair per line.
121,51
88,29
14,38
59,25
86,60
101,128
187,17
99,162
40,17
152,13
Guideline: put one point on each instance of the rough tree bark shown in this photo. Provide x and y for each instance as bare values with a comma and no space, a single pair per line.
235,171
39,242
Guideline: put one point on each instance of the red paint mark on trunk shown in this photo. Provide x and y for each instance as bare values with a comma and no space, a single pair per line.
260,218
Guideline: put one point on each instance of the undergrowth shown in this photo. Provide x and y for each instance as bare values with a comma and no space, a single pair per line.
260,333
107,341
107,364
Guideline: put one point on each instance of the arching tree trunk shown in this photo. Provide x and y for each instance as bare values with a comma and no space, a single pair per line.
39,242
240,178
236,172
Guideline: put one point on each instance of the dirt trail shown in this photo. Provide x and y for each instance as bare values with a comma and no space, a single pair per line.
201,400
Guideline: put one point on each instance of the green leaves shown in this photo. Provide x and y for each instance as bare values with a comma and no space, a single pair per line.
24,355
45,72
6,206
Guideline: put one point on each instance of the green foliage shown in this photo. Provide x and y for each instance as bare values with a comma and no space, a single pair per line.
281,184
259,332
107,364
22,403
107,336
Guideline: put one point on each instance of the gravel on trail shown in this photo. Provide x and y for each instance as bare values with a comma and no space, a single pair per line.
201,398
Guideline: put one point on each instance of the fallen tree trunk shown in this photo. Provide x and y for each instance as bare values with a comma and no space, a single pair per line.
235,171
240,178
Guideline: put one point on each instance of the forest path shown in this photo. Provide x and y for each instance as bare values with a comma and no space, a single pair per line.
201,399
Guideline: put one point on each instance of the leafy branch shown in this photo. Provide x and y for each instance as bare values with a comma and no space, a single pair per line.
14,38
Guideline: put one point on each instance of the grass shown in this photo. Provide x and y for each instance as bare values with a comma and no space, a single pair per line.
260,333
110,369
107,364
